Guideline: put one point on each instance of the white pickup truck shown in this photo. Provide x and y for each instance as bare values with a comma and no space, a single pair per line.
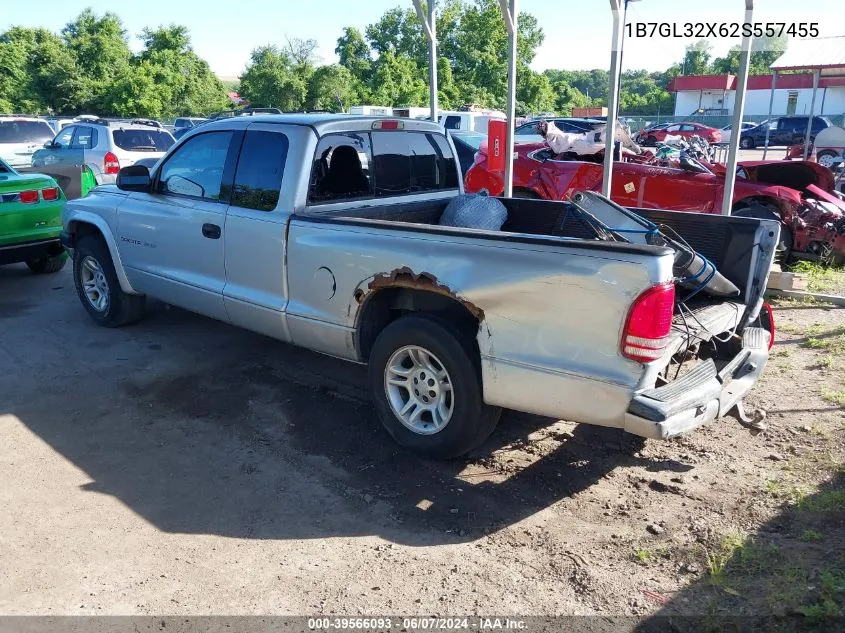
323,231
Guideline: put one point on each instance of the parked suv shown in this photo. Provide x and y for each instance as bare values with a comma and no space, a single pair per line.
105,146
20,137
785,130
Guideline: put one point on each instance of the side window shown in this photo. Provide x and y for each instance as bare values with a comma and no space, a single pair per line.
341,169
64,137
688,128
409,162
85,137
673,128
258,178
196,168
453,122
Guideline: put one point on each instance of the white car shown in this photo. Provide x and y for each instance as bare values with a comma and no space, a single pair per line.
105,146
726,131
20,137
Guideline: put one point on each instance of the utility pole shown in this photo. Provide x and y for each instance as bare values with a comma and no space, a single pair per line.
430,29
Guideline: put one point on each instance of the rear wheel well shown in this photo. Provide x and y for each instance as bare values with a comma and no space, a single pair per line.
385,306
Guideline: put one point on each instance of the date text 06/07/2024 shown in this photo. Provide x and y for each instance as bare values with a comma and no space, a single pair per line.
415,623
721,29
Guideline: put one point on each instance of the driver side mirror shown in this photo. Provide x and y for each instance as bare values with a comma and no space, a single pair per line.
134,178
50,145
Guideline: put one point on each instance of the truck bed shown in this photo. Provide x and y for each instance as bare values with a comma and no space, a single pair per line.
725,240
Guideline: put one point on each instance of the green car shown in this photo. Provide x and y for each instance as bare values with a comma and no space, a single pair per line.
30,220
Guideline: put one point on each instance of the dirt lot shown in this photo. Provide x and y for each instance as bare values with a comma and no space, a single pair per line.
183,466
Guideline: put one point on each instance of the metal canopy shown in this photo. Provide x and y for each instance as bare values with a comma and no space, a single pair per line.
510,15
618,8
739,107
825,56
429,28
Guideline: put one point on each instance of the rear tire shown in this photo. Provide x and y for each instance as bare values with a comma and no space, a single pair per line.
454,364
47,264
98,287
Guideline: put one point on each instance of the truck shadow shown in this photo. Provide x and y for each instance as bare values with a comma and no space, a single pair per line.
203,428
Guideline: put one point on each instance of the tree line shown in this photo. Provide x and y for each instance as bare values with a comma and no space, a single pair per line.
89,67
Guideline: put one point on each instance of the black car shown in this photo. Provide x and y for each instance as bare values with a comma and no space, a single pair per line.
785,130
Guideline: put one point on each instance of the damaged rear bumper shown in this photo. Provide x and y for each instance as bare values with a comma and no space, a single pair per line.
700,396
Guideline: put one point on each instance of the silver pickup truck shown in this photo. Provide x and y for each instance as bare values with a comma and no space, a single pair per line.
323,231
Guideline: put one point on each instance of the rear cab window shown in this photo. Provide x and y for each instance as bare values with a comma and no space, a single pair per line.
381,164
142,140
341,169
412,162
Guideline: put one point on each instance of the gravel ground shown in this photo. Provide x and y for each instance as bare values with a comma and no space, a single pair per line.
182,466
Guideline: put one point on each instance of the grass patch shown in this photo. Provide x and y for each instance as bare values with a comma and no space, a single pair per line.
781,353
827,362
811,536
643,556
820,278
829,603
834,397
828,501
719,557
831,341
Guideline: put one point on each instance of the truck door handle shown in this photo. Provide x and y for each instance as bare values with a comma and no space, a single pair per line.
211,231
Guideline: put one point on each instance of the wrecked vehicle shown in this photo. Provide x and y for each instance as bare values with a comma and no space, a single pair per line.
798,194
351,236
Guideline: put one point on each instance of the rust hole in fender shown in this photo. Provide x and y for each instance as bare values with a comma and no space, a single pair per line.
406,278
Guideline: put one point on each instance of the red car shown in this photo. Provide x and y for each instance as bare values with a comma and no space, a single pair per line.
799,194
686,130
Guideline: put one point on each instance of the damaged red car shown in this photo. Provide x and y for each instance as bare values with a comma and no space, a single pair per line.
800,195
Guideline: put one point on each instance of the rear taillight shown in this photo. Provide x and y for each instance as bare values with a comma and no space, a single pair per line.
29,197
649,323
111,165
767,318
51,193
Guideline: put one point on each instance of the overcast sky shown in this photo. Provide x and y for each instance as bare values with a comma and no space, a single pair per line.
578,32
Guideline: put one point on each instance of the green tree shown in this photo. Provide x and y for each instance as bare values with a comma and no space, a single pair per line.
331,88
270,80
101,50
764,52
533,92
697,58
354,53
396,81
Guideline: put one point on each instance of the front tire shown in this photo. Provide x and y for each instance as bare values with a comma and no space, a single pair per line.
746,142
48,264
98,287
426,386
